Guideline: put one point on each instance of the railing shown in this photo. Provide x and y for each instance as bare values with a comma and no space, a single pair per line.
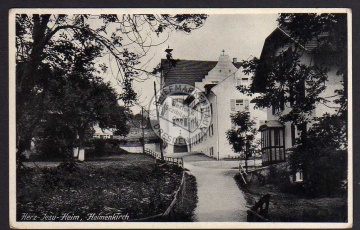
171,160
179,193
259,213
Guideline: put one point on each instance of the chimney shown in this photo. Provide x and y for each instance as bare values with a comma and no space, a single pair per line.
234,60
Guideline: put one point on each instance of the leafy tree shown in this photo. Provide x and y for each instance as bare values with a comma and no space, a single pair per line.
53,138
88,101
324,158
294,89
47,44
291,83
80,102
242,136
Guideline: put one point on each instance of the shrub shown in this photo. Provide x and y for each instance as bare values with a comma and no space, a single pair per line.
322,156
279,175
53,148
103,147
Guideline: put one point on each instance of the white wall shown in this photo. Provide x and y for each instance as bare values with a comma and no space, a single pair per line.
220,100
225,91
138,149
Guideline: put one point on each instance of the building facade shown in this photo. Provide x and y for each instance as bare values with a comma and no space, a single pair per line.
278,138
217,81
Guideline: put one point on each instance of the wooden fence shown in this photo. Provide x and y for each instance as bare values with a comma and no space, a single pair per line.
260,211
171,160
178,199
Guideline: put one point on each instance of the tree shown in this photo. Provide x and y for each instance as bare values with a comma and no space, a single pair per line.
324,158
47,44
294,89
80,102
242,136
289,82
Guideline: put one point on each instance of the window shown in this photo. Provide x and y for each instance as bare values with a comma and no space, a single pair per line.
178,100
299,176
239,104
211,109
278,106
292,134
272,145
179,121
276,137
244,81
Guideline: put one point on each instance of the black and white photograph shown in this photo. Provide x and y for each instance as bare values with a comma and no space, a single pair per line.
180,118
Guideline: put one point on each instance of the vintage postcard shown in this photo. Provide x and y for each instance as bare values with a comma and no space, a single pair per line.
180,118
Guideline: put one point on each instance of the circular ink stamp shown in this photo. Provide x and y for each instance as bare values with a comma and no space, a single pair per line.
180,114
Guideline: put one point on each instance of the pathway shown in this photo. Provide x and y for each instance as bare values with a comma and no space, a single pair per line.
219,198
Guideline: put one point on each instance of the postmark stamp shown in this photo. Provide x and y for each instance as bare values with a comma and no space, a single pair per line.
180,110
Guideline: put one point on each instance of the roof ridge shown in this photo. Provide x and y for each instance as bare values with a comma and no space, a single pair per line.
190,60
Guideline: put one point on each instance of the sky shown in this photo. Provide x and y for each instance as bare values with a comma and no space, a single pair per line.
240,35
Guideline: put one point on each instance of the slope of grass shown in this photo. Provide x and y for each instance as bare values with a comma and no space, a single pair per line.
129,184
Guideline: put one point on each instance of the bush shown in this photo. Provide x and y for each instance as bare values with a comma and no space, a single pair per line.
53,148
325,173
279,175
323,170
62,175
103,147
322,156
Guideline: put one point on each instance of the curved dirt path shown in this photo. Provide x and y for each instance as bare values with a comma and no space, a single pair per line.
219,198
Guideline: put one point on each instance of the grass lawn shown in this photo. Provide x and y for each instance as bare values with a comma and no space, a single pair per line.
129,184
285,207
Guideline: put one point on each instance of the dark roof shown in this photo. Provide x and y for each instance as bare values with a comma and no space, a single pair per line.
275,40
280,37
187,71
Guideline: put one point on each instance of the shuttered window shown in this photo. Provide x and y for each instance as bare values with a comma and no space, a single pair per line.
239,104
247,104
232,104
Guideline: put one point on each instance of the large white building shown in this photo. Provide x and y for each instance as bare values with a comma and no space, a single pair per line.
217,81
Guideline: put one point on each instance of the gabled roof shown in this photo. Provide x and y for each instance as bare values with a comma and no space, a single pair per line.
275,40
187,71
280,37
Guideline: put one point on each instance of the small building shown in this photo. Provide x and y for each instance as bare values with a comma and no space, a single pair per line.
103,133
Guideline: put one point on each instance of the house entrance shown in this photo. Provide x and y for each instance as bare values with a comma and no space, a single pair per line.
180,145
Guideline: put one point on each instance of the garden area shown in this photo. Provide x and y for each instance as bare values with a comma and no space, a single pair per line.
290,202
132,185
